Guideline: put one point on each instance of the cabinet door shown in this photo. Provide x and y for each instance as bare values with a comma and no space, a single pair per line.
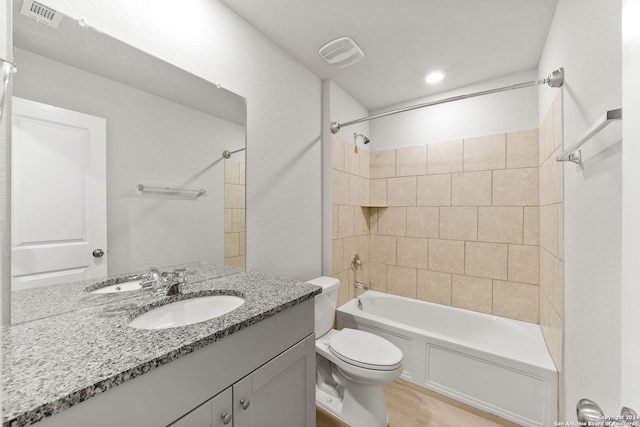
212,413
281,393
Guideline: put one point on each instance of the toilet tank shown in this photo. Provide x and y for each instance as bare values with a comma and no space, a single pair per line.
325,303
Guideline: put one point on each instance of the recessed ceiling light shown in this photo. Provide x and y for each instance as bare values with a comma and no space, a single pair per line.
435,77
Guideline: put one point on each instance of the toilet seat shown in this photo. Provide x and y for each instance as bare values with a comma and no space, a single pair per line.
366,350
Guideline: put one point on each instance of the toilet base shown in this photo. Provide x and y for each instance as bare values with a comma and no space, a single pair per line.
333,406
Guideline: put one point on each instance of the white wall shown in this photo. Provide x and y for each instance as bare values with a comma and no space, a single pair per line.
283,111
153,141
585,39
337,106
630,204
485,115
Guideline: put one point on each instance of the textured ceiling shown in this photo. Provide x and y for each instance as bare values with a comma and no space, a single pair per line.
472,40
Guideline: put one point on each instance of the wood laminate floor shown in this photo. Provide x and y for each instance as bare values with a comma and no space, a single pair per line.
411,406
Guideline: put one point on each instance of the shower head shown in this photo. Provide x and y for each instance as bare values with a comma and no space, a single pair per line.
365,140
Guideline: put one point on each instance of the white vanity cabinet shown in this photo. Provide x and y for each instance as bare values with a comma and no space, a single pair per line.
261,376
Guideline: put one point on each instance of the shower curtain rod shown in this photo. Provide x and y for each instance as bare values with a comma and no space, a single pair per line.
555,79
227,154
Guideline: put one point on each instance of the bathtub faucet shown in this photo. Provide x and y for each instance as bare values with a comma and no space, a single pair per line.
359,285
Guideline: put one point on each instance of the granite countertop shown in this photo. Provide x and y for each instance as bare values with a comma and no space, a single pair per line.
53,363
38,303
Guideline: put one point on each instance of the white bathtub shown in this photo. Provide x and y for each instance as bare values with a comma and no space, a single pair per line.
499,365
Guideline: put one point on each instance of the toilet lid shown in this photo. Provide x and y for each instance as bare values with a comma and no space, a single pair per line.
365,349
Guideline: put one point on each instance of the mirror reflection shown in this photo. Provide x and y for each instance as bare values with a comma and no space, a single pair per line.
117,162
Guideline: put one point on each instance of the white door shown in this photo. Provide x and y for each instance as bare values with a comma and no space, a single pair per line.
59,207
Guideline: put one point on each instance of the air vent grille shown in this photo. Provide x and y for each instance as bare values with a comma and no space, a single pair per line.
41,13
341,52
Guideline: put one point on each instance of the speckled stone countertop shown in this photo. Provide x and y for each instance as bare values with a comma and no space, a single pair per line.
38,303
53,363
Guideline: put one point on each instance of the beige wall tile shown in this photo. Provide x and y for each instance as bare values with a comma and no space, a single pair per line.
337,255
378,192
383,164
334,221
383,249
444,157
524,264
231,245
243,241
392,221
546,273
228,220
500,224
365,161
343,291
434,190
434,286
471,293
459,223
531,234
551,180
412,252
549,232
516,301
231,172
361,218
351,158
486,260
378,276
356,190
554,341
337,153
485,153
401,191
234,196
373,220
522,149
471,189
238,261
339,188
346,221
446,256
515,187
351,245
237,220
401,281
411,161
423,222
560,222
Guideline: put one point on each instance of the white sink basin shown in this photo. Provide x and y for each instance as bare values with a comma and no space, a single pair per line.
187,312
132,285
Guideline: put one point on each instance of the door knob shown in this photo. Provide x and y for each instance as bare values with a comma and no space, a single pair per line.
98,253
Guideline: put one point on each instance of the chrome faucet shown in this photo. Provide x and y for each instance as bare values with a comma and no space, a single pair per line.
167,282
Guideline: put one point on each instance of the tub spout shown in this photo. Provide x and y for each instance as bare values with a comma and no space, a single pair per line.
359,285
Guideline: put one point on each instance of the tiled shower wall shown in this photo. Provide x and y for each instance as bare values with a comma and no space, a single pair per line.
461,226
350,220
234,213
551,230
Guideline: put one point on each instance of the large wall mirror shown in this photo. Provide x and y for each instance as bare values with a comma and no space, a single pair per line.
159,192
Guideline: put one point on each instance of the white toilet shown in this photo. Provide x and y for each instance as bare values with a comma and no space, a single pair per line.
352,365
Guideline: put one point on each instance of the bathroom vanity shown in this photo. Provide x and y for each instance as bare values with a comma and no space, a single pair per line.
254,366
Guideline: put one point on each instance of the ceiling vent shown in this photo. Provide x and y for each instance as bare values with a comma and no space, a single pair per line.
342,52
41,13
